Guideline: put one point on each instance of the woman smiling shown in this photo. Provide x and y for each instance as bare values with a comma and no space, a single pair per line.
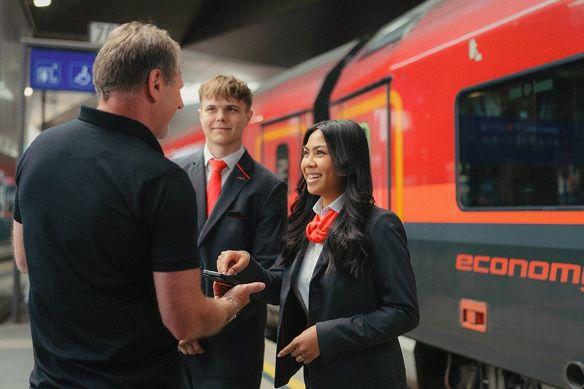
344,282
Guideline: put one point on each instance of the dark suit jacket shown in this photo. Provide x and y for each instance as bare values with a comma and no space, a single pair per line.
250,215
357,320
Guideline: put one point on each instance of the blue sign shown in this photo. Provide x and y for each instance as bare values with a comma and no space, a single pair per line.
61,69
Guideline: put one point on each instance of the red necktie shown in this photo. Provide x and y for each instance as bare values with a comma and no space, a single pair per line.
317,229
214,185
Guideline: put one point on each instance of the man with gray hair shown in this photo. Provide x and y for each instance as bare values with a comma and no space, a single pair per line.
105,226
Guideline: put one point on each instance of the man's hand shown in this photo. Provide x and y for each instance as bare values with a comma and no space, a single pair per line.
238,296
304,347
187,313
219,289
190,347
232,262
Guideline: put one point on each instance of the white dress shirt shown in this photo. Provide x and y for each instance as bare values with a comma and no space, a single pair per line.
231,161
313,251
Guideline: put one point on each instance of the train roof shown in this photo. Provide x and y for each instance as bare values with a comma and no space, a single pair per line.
296,89
430,28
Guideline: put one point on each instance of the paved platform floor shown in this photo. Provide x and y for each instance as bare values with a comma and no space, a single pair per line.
16,359
15,355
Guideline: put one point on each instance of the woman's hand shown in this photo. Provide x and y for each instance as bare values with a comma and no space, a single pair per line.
304,347
232,262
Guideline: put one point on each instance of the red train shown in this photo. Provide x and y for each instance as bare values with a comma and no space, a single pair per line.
475,115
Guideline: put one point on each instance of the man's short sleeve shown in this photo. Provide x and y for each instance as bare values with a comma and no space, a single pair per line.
16,213
171,218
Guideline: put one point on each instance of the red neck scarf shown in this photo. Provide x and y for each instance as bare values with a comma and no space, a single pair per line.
317,229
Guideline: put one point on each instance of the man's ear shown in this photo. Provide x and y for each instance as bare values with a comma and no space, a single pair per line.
154,84
249,115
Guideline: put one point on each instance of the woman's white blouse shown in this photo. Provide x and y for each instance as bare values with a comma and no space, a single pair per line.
313,252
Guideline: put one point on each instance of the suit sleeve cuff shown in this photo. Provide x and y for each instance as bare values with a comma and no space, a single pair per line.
326,340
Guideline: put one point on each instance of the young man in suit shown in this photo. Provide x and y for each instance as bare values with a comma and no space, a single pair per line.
242,206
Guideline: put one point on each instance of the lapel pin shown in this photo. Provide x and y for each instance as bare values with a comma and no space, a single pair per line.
244,173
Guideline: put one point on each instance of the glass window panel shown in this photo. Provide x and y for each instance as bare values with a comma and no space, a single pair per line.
521,141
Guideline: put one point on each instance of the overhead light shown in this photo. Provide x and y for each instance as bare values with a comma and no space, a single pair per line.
42,3
28,91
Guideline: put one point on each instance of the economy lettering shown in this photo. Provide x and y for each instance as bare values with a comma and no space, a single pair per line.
518,267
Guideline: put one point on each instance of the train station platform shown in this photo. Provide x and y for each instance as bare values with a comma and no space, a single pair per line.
16,359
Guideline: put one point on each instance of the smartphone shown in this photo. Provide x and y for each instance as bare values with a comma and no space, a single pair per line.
222,278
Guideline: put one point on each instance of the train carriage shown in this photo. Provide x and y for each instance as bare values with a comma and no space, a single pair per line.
475,115
486,158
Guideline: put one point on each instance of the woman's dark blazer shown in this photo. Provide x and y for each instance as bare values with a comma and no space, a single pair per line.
357,320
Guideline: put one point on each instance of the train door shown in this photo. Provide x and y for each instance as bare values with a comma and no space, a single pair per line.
280,142
370,108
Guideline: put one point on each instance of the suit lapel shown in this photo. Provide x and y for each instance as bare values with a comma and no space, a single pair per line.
320,263
290,276
295,268
238,178
286,367
200,185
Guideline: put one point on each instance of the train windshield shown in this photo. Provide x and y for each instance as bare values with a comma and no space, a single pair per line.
396,29
521,141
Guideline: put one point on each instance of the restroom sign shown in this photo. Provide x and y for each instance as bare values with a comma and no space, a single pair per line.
54,69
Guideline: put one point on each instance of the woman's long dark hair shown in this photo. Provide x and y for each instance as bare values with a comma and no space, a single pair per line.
350,247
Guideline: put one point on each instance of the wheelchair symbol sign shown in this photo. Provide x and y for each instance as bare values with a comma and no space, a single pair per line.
53,69
80,75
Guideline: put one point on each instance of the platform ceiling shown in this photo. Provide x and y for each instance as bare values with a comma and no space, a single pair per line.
278,33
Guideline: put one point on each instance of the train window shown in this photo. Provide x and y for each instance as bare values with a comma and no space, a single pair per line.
521,141
282,161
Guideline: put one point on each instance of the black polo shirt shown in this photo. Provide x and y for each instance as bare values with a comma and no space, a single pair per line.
101,209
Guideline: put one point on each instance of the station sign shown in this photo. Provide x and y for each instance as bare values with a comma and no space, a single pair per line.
56,69
99,31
